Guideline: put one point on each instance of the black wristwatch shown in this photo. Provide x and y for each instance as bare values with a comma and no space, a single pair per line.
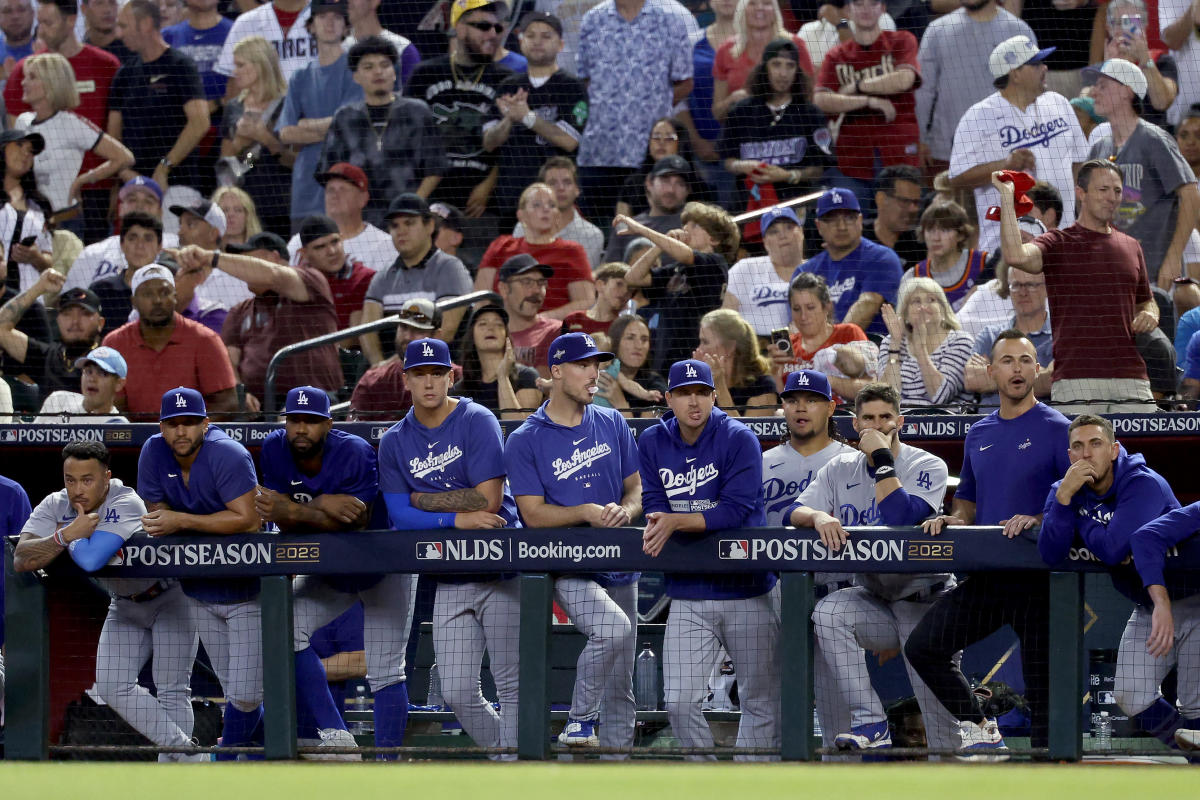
166,164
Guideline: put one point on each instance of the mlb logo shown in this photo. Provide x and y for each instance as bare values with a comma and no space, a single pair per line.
910,429
429,551
8,436
1106,698
735,549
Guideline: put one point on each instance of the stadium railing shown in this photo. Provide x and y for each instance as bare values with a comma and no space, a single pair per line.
538,555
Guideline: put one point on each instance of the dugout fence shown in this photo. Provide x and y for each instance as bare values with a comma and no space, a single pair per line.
538,555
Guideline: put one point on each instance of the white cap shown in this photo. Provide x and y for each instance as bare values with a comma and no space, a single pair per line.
206,210
1123,72
1013,53
151,272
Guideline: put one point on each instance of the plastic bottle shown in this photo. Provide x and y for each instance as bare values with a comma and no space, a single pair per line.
435,688
360,703
1103,732
646,679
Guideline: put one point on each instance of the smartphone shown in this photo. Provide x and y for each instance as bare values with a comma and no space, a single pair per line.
29,241
781,340
1131,25
613,368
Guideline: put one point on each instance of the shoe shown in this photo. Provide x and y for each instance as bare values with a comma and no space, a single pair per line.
334,737
1187,739
872,736
981,742
580,733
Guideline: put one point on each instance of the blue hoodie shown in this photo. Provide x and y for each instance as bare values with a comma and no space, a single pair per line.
1151,542
571,466
720,476
1105,523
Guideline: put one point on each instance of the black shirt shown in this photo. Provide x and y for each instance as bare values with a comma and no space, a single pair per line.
462,98
910,249
790,140
52,365
488,394
150,97
679,295
561,100
116,300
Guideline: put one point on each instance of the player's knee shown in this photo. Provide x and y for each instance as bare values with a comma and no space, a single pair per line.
245,704
827,615
1133,696
112,687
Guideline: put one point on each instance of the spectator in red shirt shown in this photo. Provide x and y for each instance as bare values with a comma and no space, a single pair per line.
869,84
1099,293
612,293
290,304
522,287
321,248
756,23
164,350
570,289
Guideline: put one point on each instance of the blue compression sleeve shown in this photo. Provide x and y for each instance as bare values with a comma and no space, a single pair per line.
405,517
901,508
94,552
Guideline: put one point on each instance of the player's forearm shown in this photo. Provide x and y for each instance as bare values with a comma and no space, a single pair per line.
1176,34
371,348
632,502
639,271
223,522
33,553
297,516
1158,595
803,517
454,500
964,510
189,137
343,666
544,515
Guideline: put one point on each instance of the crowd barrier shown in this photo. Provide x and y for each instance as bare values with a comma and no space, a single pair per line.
539,554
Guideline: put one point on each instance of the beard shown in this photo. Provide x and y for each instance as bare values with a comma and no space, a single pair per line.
312,451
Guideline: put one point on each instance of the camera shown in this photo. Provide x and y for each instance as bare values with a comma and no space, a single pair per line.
781,341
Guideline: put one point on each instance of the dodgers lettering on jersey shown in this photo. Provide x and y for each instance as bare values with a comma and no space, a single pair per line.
1039,134
787,473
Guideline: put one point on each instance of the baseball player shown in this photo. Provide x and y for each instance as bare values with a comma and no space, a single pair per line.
1106,495
885,483
91,518
442,466
1010,459
574,463
193,477
701,471
1170,641
316,478
14,510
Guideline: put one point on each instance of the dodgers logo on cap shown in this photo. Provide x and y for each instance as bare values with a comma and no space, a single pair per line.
307,400
427,352
690,372
182,402
575,347
808,380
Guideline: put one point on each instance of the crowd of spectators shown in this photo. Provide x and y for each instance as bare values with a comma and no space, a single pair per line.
765,185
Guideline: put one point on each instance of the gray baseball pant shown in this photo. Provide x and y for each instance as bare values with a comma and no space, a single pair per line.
607,627
232,636
1139,674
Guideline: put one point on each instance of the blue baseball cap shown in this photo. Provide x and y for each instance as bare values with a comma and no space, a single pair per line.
106,359
141,182
307,400
836,200
808,380
426,352
575,347
689,372
182,402
775,214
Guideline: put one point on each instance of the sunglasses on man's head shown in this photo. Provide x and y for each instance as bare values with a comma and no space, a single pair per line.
413,315
484,27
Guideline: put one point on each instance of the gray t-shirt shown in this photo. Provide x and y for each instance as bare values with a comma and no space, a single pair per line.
438,275
1152,169
121,514
845,489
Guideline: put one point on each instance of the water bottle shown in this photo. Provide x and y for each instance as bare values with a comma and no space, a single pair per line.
816,724
360,703
435,688
1103,732
646,679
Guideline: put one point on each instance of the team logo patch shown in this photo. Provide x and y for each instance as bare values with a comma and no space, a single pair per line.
734,549
302,399
690,371
429,551
179,401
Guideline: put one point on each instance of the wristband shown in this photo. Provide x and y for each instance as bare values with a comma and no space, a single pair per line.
446,520
58,538
529,120
216,257
885,464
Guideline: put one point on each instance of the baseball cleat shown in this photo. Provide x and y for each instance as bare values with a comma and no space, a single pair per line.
579,733
981,741
871,736
1187,739
334,737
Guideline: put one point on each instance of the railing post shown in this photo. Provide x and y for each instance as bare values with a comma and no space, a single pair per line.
279,667
796,666
533,714
1066,665
27,654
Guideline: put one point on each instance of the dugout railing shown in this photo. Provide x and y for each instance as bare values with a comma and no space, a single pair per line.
538,555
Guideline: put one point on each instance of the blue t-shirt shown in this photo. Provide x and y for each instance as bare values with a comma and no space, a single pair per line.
870,267
315,92
203,47
347,467
461,453
1191,369
515,61
700,100
222,472
1010,464
571,466
16,53
1188,324
14,512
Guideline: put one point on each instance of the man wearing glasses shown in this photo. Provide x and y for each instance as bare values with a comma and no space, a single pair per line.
861,274
1032,318
523,283
897,208
420,271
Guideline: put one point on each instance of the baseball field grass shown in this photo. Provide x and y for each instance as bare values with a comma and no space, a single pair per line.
639,781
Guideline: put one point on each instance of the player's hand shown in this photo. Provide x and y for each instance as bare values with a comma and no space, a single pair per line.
272,506
832,534
476,520
614,515
659,527
871,440
935,525
1015,525
885,656
345,508
162,522
1162,630
1078,474
83,526
517,105
1021,160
